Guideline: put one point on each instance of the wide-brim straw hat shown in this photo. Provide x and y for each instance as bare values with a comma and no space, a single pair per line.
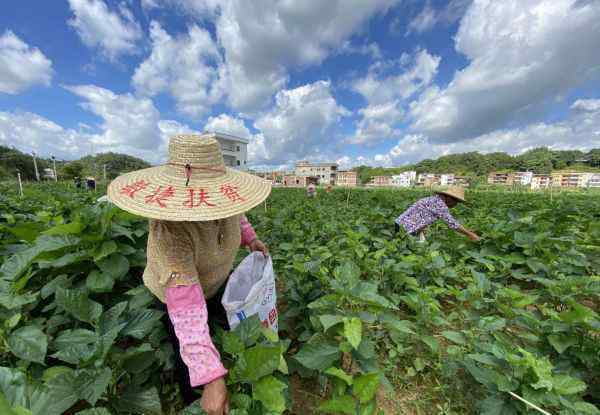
194,185
456,192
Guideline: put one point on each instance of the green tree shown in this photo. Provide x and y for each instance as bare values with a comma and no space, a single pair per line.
72,169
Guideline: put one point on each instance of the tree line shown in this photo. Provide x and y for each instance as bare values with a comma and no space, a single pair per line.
476,165
13,160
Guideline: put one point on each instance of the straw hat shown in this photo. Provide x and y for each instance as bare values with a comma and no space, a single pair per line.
194,185
456,192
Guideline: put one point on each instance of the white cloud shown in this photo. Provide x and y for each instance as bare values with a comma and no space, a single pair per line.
227,124
21,66
300,123
31,132
387,92
368,49
115,33
429,17
198,8
186,67
522,54
580,130
378,87
424,20
262,40
129,124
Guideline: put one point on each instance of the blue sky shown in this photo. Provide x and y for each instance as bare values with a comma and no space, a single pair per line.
380,82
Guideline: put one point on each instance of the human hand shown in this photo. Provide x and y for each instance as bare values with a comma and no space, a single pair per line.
258,245
474,237
215,400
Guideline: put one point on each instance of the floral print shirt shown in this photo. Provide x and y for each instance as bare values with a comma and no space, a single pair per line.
424,212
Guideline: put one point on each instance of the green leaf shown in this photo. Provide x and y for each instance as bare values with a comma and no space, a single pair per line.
483,358
586,408
249,329
133,399
75,346
344,404
577,314
63,261
432,342
29,343
137,359
561,342
232,343
269,391
340,374
54,371
107,248
256,362
455,337
73,228
99,282
353,331
329,320
318,353
78,304
92,383
567,385
141,322
391,322
494,405
94,411
365,387
13,386
115,265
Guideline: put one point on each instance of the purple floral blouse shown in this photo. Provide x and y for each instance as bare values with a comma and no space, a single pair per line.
424,212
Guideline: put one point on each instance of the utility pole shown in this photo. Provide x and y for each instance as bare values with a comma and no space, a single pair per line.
20,183
37,173
104,168
54,166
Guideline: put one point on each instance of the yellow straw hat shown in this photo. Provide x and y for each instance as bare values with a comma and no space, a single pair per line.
194,185
456,192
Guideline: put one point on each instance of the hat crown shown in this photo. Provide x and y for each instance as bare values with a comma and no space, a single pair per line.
202,152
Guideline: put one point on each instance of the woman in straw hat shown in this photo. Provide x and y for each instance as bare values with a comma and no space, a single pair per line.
427,210
195,207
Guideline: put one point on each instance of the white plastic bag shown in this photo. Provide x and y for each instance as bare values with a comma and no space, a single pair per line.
251,290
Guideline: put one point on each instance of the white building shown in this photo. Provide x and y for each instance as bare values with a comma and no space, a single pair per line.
325,172
405,179
48,174
235,150
523,178
446,180
594,180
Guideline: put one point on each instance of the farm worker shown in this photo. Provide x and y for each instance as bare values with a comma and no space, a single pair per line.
195,206
427,210
311,190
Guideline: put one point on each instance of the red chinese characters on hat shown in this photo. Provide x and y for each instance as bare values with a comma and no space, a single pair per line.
231,192
160,196
131,189
202,199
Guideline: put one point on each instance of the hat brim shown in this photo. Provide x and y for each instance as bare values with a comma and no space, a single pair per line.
460,199
154,193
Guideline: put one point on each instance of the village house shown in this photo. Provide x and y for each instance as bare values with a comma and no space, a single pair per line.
326,173
235,149
380,181
347,178
541,181
405,179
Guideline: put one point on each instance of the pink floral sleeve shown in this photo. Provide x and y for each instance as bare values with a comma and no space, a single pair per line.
187,310
248,233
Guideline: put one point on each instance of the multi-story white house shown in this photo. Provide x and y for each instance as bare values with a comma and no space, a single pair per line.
326,173
594,180
404,179
523,177
446,180
235,149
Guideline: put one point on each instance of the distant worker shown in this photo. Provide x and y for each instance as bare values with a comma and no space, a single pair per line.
426,211
77,182
311,190
90,183
329,188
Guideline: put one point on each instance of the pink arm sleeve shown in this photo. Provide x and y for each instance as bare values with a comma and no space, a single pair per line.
248,234
187,310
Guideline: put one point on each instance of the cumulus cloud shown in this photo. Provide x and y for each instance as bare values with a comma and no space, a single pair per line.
113,32
300,123
31,132
429,16
521,54
580,130
129,124
386,88
262,40
21,66
185,66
